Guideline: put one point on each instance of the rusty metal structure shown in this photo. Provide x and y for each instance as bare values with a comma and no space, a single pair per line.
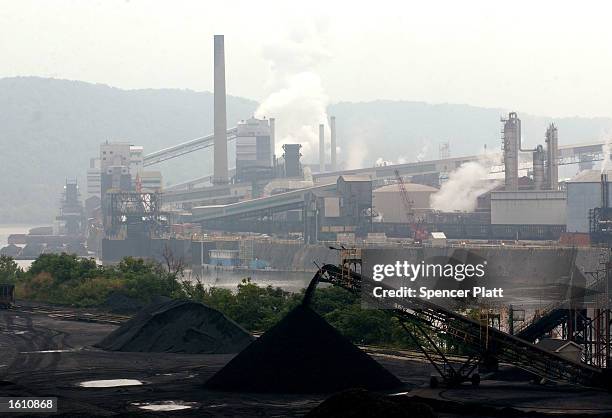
133,213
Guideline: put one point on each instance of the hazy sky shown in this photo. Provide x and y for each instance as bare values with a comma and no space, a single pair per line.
543,57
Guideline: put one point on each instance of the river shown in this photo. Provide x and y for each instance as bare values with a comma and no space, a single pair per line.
292,281
9,229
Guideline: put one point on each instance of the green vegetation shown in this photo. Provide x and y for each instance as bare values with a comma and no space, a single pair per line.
68,280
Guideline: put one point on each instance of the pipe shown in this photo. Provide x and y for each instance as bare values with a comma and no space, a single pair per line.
273,140
332,127
321,148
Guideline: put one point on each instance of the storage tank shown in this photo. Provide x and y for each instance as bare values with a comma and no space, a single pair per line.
387,200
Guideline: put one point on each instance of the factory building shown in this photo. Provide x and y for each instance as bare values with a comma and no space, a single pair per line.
583,194
388,201
291,165
150,181
254,154
114,154
93,178
529,203
120,166
543,207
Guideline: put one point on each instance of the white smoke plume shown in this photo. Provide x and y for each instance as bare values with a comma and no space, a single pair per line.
356,155
381,162
298,100
423,153
464,185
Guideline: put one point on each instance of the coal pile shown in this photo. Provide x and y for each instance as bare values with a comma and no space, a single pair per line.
302,354
178,326
358,403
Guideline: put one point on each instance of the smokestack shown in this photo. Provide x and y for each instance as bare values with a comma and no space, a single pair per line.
273,139
552,156
220,175
538,168
512,141
332,127
321,148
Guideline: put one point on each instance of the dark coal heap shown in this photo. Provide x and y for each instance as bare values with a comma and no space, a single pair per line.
178,326
359,403
302,354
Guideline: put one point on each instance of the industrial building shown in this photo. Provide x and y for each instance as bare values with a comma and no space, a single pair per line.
278,194
254,154
387,201
583,194
541,207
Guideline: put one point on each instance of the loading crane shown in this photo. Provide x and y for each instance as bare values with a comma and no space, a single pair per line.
418,231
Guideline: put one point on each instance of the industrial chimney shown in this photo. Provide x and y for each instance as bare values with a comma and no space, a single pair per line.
552,158
512,138
321,148
273,140
332,127
538,168
220,175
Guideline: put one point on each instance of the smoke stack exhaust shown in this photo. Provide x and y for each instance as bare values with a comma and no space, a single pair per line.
220,175
332,127
321,148
273,139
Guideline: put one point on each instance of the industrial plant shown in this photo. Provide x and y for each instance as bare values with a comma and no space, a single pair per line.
261,208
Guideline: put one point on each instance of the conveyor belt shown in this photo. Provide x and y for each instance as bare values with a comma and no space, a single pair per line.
475,337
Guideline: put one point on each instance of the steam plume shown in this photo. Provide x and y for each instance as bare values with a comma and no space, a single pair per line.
464,185
298,101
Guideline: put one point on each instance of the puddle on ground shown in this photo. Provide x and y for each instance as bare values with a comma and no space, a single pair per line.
221,405
165,405
185,375
49,351
110,383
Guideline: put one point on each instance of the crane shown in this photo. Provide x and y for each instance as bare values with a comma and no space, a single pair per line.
418,232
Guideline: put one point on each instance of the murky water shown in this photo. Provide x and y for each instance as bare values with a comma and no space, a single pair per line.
9,229
110,383
291,281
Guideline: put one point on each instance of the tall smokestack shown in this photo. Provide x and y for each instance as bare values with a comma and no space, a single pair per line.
332,127
273,139
321,148
512,141
220,175
552,155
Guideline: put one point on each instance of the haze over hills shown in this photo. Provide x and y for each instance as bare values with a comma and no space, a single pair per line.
49,129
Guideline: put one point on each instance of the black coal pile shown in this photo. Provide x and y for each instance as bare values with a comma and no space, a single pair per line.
302,354
358,403
178,326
